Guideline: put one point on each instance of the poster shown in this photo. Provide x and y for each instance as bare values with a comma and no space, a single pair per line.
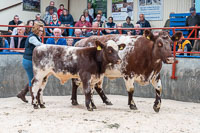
152,9
121,9
31,5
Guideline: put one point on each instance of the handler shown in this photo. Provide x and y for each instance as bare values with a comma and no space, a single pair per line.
32,41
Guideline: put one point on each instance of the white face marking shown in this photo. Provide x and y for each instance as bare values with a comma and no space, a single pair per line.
112,44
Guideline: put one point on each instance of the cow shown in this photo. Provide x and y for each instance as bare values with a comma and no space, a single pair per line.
141,62
86,64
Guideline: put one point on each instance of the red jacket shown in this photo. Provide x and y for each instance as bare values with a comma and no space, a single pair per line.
58,12
80,24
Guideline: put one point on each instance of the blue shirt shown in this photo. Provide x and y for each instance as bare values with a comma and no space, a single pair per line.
61,41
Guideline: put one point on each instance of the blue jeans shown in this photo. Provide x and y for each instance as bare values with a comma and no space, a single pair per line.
28,66
71,31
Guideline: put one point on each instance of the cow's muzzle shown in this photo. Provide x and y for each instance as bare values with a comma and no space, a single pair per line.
170,60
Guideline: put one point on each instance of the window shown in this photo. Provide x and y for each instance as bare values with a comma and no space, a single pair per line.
99,5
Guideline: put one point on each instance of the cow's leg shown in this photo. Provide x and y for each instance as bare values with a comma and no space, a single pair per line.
92,101
75,85
156,82
130,88
98,88
44,82
86,79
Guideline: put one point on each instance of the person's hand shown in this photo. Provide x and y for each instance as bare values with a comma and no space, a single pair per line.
179,50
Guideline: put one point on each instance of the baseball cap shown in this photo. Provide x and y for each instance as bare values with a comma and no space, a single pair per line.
192,9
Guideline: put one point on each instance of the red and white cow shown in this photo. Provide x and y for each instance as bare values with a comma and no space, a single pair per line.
87,64
141,62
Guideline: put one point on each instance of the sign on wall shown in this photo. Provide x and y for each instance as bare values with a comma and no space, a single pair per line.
121,9
152,9
31,5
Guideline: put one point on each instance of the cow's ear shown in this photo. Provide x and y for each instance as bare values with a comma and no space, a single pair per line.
121,46
177,36
149,35
99,45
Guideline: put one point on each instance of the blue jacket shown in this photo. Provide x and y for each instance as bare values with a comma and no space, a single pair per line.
61,41
6,45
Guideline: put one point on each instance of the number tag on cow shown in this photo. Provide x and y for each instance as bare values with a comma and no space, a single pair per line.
99,48
121,48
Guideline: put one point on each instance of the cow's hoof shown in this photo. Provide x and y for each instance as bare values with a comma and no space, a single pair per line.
156,109
94,107
42,106
74,102
22,97
35,106
90,109
108,103
133,107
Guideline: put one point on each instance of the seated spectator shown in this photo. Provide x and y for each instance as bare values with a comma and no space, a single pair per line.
137,31
60,10
51,5
196,47
119,31
77,33
28,30
18,42
143,22
38,18
49,16
55,22
103,18
57,41
98,19
70,41
183,46
84,31
94,31
167,23
90,9
87,16
110,24
67,20
82,22
63,31
128,24
3,44
15,21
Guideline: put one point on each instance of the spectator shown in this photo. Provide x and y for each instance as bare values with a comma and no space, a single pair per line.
143,22
57,41
193,20
15,21
63,31
87,16
103,18
67,20
38,18
55,22
49,16
90,9
82,22
196,47
3,44
18,42
94,31
70,41
84,31
51,5
183,46
119,31
110,24
128,24
28,30
167,23
98,19
60,10
137,31
31,42
77,33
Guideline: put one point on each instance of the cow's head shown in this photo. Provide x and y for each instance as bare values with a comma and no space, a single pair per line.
162,45
109,52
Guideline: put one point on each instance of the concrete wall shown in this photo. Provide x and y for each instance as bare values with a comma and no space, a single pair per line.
185,88
8,14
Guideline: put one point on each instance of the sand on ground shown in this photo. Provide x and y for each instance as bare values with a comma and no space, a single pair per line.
60,116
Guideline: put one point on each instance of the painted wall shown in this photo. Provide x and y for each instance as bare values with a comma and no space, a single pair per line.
8,14
177,6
